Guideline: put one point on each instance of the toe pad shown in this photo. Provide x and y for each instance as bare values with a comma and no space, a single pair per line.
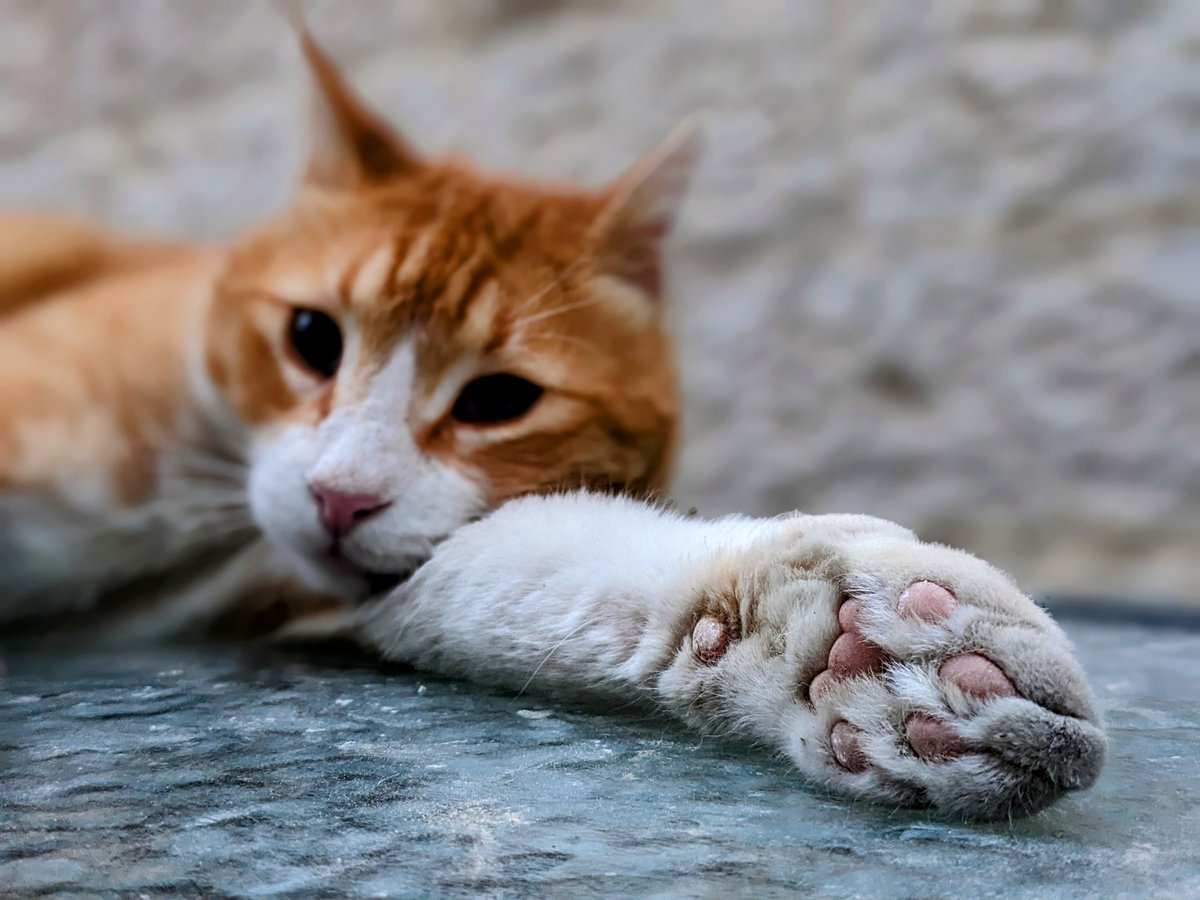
977,675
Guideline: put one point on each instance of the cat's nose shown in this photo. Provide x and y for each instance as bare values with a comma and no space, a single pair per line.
341,512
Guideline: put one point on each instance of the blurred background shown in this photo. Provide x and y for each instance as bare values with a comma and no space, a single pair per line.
941,262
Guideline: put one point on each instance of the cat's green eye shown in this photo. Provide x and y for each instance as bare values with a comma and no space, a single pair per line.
491,399
317,340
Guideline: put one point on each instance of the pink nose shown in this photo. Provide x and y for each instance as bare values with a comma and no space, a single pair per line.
341,512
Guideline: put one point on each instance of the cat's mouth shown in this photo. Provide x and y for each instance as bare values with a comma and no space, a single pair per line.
373,582
376,575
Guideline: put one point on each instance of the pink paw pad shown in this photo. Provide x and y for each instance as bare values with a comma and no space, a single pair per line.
844,740
850,655
926,601
977,675
932,739
818,687
850,614
853,655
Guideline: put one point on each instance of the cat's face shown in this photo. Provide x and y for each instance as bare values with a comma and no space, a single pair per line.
415,342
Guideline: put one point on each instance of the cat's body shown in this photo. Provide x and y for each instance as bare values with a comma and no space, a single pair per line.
250,435
97,386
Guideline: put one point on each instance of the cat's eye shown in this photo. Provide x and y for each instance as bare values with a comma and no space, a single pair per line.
317,340
495,398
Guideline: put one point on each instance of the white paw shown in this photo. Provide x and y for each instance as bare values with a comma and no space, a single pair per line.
896,671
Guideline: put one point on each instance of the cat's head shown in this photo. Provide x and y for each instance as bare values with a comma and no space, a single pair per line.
415,341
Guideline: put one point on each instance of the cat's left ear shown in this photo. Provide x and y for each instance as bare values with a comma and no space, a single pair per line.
352,145
641,207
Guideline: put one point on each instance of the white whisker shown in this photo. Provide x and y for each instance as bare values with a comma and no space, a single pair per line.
561,338
551,285
545,659
558,310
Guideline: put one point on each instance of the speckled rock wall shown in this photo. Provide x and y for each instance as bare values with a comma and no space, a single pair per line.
941,263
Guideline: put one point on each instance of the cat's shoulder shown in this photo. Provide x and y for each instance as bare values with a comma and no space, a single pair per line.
49,255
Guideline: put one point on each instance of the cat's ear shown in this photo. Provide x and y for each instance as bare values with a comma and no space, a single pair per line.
641,207
352,145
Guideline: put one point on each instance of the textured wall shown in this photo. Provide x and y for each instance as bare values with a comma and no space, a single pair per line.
941,263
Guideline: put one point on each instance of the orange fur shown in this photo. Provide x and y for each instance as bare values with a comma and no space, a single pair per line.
116,354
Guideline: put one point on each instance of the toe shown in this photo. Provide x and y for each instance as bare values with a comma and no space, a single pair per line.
844,739
852,655
820,685
926,600
931,738
977,675
849,614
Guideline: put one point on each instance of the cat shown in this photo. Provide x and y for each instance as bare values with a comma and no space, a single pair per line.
423,367
413,342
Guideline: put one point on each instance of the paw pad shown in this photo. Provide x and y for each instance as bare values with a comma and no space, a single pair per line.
932,739
927,601
710,639
844,740
853,655
977,675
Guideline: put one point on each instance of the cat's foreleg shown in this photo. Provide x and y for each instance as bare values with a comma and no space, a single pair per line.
887,668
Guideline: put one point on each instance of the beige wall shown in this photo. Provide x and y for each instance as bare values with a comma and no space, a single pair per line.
941,264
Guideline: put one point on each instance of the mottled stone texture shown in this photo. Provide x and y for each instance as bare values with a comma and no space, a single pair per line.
187,773
941,263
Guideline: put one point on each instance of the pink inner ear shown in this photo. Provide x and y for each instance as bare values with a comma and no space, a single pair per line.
642,211
642,267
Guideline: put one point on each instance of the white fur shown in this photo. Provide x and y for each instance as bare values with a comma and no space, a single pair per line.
598,596
361,448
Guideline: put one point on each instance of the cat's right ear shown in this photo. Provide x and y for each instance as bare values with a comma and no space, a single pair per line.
352,146
641,208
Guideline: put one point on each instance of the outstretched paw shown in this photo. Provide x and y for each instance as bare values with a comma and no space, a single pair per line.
916,674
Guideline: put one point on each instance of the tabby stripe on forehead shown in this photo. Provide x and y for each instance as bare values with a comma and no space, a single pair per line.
372,274
399,251
478,277
411,261
346,282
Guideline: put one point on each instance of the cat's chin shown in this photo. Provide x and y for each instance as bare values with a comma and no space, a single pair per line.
355,574
354,582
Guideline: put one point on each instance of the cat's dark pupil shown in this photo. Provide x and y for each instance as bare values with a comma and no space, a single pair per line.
317,340
495,398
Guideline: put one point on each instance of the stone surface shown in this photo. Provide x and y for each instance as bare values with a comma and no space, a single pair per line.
940,264
216,772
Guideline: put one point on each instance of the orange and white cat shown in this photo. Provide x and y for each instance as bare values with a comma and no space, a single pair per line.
409,345
417,367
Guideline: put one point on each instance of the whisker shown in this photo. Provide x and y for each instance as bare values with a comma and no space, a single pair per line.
545,659
562,338
534,298
558,310
551,285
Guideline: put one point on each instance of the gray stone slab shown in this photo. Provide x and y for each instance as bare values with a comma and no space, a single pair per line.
218,771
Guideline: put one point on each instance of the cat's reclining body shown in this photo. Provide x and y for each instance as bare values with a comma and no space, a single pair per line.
189,433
